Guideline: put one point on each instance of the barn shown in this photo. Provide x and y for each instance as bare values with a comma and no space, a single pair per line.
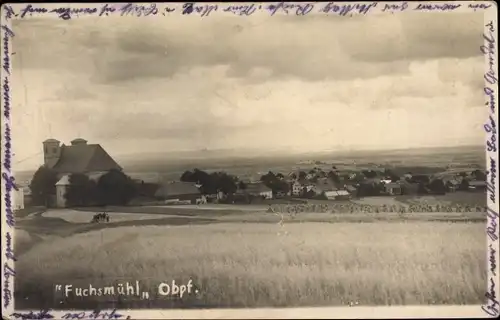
179,191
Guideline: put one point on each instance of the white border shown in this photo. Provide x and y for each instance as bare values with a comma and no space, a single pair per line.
330,312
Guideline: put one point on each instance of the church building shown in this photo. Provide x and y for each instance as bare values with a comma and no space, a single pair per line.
79,157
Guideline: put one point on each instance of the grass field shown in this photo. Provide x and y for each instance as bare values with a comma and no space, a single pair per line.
257,264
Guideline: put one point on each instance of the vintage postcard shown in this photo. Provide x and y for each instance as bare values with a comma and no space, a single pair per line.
249,160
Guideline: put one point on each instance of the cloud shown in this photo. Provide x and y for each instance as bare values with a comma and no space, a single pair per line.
310,83
414,36
323,48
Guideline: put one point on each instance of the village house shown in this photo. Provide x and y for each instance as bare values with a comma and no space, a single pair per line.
340,195
477,185
350,189
259,190
452,185
79,157
180,192
296,188
325,186
393,188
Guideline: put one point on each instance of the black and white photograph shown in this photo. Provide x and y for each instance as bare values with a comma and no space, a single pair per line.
239,161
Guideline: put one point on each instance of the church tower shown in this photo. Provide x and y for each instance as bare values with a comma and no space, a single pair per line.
51,152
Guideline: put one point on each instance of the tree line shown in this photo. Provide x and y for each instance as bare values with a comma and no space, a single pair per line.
212,183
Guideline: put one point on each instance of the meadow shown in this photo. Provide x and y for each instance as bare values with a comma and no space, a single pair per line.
264,264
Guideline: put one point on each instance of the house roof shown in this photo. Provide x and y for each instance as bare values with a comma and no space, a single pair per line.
82,158
477,183
351,188
371,181
453,181
342,193
325,185
392,185
177,188
257,188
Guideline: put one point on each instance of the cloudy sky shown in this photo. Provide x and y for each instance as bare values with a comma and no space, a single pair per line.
303,83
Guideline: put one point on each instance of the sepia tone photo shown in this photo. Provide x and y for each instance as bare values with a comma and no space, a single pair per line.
249,162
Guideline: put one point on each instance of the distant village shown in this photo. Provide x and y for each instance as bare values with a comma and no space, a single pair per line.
82,174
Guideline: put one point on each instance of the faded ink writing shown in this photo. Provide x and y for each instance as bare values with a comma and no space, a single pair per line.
203,10
491,128
287,8
492,180
491,228
7,178
492,260
245,10
347,9
437,7
491,306
9,251
395,7
8,273
44,314
95,315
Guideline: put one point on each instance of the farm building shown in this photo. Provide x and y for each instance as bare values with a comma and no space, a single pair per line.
180,191
296,188
338,195
79,157
452,185
351,189
409,188
325,186
477,185
393,188
259,189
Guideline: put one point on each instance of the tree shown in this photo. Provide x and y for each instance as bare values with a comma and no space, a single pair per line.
369,174
293,176
43,185
81,190
281,186
437,186
187,176
464,185
334,177
224,182
479,175
273,182
115,188
268,179
302,175
242,185
213,182
280,176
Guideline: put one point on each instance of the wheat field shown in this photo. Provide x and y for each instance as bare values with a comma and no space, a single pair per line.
258,265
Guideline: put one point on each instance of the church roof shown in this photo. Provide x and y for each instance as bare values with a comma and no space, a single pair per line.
82,158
